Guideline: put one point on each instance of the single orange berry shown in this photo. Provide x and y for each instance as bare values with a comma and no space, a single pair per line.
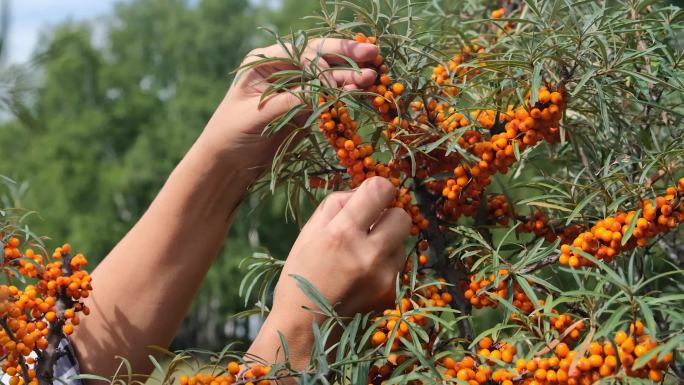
233,368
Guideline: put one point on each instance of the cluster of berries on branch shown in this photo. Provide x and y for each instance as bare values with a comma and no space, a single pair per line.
410,312
604,240
233,373
31,316
600,360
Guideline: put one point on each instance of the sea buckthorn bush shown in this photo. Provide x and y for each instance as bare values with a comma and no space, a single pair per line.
41,301
537,146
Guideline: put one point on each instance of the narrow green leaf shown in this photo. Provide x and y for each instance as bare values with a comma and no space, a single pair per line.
580,206
630,228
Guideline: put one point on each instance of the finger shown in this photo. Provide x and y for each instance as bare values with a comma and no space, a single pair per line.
366,204
280,103
325,211
320,66
336,50
328,209
333,50
391,229
361,79
395,267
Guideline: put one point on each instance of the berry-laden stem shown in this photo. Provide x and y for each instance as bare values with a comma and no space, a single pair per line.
21,359
46,365
437,252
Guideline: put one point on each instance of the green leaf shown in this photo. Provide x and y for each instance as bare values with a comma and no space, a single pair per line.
580,206
616,279
516,150
585,78
281,121
156,364
648,315
630,228
674,342
536,83
314,295
529,291
284,346
548,205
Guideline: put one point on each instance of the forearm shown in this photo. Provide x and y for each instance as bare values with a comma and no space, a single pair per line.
144,287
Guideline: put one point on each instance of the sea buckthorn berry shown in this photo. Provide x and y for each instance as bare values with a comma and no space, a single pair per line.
233,368
485,343
378,338
544,96
398,88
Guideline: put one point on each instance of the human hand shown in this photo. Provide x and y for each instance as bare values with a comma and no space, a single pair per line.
237,124
351,250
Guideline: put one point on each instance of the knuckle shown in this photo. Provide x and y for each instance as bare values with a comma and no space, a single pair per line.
339,234
334,198
380,184
403,219
376,252
368,266
315,44
397,225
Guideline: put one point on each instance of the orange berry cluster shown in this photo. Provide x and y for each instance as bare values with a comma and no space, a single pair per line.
604,240
480,295
563,322
563,366
498,209
341,133
470,370
340,130
523,127
465,369
634,345
252,376
600,360
396,321
496,351
380,372
29,316
559,322
447,76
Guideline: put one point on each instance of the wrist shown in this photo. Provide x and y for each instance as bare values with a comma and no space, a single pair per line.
296,330
224,163
236,141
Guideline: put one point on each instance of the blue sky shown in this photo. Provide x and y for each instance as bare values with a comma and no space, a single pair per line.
29,17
